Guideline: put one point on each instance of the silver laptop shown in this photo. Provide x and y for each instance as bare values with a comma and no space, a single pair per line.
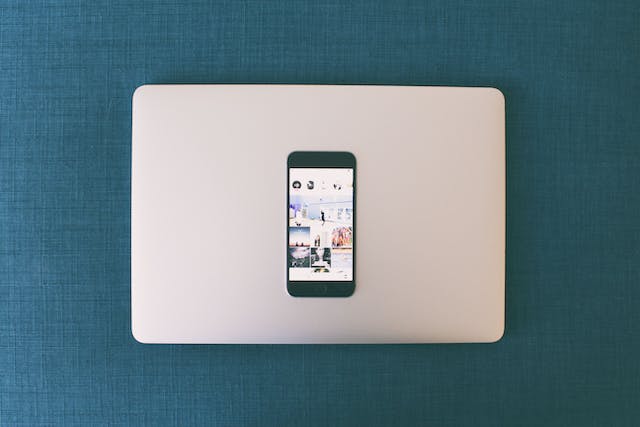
212,214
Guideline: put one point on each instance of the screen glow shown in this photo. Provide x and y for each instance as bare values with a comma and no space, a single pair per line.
320,224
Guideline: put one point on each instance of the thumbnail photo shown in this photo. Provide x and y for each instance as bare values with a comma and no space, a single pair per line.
299,257
321,257
299,236
341,259
342,237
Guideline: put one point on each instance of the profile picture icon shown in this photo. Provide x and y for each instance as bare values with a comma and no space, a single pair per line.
310,185
296,184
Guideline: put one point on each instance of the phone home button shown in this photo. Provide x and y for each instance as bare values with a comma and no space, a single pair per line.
322,289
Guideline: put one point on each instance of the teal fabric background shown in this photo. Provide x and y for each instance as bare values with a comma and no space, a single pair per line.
569,70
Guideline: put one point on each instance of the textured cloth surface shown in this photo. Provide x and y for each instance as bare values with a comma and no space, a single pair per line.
569,70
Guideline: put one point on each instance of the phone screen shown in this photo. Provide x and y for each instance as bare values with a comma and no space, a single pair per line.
321,239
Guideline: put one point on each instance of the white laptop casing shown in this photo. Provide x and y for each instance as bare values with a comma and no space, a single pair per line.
208,214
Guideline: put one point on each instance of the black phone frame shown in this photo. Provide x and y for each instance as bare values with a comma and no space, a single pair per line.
322,159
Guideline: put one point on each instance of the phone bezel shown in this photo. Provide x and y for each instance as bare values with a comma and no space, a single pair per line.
322,159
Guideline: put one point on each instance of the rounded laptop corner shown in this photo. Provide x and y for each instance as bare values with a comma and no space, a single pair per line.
140,91
498,95
137,335
497,335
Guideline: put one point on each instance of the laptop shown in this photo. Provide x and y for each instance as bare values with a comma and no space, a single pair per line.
210,214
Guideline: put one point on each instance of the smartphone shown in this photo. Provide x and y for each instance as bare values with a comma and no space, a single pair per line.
321,218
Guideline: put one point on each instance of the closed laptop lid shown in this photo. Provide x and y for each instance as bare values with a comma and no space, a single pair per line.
208,215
